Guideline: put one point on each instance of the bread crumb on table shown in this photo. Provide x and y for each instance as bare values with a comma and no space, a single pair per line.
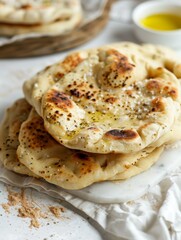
56,211
27,208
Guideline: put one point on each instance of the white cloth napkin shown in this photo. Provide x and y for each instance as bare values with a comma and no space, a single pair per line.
155,216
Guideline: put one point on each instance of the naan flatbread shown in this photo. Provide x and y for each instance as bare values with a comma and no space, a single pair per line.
40,83
9,132
142,56
72,169
155,55
108,101
95,110
31,12
168,139
57,27
140,165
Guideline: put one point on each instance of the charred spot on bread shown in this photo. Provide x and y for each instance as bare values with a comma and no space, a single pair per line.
59,99
116,134
158,105
71,61
82,156
117,69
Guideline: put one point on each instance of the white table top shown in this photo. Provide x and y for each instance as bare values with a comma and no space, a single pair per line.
71,226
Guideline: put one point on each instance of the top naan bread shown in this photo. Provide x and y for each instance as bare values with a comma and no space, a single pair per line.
37,11
142,56
112,100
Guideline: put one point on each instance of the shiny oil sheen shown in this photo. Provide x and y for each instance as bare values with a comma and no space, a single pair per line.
162,22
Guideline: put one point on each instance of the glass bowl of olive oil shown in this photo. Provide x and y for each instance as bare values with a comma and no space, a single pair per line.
158,22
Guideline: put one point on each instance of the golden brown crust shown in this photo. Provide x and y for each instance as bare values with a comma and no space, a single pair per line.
117,70
71,61
85,163
59,99
161,87
158,105
34,134
67,65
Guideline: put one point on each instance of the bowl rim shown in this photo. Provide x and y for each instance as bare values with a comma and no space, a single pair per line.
155,2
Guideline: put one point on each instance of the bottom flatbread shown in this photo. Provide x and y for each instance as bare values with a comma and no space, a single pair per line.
140,165
9,132
42,156
73,169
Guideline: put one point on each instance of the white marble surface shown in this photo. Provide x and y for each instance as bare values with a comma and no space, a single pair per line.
70,226
135,187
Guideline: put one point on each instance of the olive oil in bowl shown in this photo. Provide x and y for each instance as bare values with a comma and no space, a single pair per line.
158,22
162,22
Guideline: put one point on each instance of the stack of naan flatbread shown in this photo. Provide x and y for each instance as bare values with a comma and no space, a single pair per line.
98,115
39,16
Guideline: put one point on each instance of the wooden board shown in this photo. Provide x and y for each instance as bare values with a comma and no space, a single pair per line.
30,47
